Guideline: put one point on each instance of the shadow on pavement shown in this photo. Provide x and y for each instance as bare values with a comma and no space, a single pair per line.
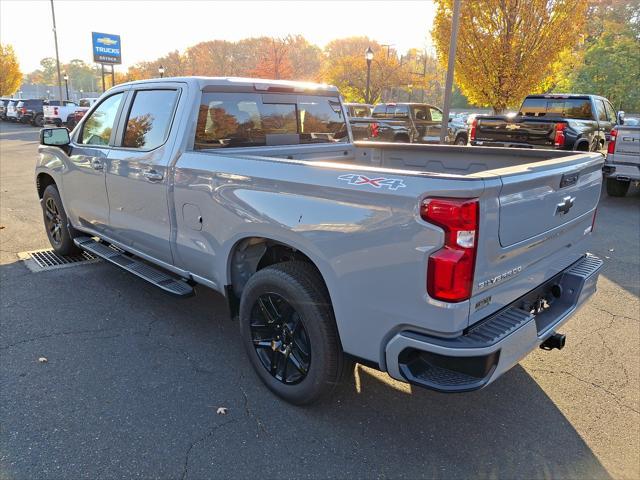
134,378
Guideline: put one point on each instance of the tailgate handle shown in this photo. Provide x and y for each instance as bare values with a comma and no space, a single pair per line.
564,206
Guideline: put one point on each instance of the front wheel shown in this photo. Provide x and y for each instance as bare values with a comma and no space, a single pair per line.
461,140
290,334
60,234
617,188
38,121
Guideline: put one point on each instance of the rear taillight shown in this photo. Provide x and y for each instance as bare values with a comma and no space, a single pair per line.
374,129
55,110
474,125
450,269
612,142
23,110
559,138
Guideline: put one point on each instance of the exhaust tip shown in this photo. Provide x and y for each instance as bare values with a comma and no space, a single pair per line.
557,340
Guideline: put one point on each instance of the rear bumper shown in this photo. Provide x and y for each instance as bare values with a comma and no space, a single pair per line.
494,345
622,171
53,120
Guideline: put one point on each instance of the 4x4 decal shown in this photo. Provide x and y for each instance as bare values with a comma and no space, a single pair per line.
378,182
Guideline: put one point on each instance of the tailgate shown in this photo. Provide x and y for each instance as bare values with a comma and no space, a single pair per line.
502,130
546,197
628,144
534,224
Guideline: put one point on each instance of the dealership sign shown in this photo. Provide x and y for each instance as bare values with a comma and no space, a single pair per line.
106,48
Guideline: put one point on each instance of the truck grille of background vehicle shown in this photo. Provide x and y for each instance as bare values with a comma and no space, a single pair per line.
48,259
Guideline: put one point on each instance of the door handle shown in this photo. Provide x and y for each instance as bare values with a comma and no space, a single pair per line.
153,176
96,164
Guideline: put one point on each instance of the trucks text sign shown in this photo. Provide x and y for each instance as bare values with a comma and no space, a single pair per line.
106,48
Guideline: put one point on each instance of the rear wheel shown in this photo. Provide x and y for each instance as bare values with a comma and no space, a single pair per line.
401,139
617,188
461,140
38,121
60,234
290,334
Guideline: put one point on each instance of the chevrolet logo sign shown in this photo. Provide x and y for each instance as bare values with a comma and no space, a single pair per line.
106,41
512,126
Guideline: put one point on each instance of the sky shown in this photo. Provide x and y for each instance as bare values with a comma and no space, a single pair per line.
150,29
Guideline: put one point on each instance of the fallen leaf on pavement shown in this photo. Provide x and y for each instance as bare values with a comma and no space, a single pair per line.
222,410
43,360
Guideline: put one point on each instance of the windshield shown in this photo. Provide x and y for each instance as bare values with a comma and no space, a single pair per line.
579,108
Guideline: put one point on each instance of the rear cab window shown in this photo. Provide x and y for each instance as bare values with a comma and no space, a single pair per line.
563,107
257,120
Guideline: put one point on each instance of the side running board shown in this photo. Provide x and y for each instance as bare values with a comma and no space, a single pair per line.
151,274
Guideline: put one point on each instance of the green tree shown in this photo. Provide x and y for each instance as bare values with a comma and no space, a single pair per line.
611,69
10,76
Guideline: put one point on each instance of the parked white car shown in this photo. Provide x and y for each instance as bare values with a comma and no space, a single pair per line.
60,114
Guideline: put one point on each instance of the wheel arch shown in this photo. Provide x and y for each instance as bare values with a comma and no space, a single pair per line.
253,253
582,145
43,180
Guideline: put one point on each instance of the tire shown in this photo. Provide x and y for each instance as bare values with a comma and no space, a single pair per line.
401,139
617,188
460,140
290,334
60,234
38,121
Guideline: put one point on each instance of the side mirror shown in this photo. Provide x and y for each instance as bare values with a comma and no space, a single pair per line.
54,137
620,117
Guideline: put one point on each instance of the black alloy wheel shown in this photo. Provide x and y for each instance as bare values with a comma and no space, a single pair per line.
280,339
53,221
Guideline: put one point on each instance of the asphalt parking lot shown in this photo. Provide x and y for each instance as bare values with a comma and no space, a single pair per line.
134,378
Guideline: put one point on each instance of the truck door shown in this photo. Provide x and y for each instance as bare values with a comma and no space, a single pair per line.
137,174
84,191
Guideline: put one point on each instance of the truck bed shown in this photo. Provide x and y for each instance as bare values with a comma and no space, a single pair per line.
439,160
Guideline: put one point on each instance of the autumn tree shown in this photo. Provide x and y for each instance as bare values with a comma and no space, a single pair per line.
507,48
274,62
346,68
10,76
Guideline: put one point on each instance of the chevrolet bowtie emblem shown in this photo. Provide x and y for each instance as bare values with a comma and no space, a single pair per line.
564,206
512,126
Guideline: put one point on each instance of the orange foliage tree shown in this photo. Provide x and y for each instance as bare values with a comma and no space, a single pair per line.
507,48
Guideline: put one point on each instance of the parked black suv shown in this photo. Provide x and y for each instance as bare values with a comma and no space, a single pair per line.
30,111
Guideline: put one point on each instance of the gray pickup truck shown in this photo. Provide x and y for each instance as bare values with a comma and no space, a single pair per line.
441,265
622,166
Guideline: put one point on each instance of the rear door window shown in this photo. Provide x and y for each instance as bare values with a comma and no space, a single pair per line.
601,111
149,118
611,113
254,120
98,126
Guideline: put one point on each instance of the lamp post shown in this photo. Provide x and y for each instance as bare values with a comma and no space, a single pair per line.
161,71
368,55
66,84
